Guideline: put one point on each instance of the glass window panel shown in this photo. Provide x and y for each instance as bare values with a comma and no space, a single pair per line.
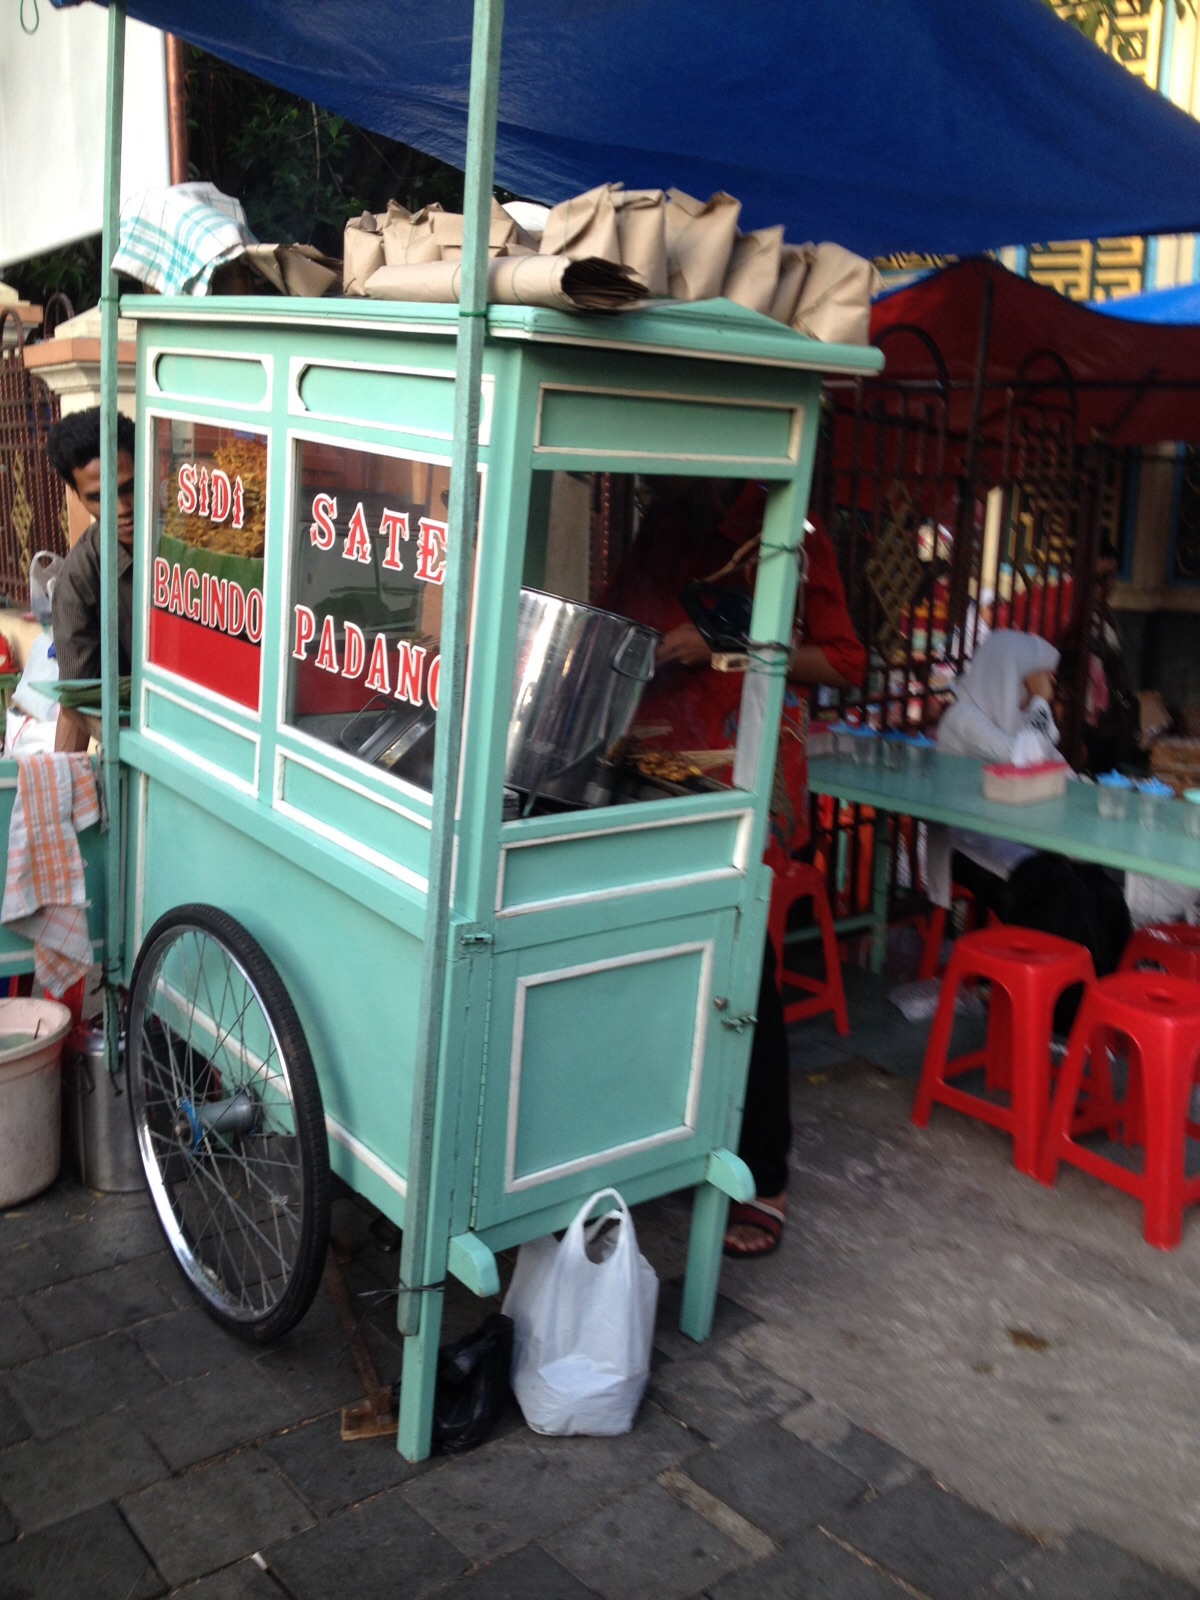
365,611
206,602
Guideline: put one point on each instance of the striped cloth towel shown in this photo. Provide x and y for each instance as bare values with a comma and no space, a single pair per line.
174,239
44,896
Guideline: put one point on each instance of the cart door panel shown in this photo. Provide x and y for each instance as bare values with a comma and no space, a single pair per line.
604,1060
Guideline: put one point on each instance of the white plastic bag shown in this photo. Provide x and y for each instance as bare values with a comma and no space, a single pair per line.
583,1323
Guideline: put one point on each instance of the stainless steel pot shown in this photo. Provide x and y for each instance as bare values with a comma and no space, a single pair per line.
579,677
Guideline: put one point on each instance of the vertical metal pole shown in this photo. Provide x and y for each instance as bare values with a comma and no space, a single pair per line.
460,539
177,135
964,532
109,717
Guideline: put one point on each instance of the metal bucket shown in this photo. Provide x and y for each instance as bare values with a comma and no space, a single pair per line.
579,677
100,1131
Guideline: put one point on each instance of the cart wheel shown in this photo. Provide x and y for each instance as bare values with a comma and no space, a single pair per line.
229,1122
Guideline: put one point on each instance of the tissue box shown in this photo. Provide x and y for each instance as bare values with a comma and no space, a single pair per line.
1021,786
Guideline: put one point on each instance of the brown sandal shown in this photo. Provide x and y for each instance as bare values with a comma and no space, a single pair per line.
766,1219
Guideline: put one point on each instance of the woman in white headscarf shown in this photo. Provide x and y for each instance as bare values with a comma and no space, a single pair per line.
1002,712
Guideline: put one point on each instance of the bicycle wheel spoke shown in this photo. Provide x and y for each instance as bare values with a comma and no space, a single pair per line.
221,1116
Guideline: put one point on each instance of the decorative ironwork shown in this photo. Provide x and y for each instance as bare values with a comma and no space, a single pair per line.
33,513
1186,565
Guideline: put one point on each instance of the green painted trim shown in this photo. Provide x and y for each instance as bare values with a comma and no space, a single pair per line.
109,291
473,1264
232,380
712,329
730,1174
388,897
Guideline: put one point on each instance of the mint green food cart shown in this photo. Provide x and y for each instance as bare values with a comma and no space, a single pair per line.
350,945
339,960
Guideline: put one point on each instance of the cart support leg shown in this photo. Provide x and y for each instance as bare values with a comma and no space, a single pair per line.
880,873
728,1175
418,1375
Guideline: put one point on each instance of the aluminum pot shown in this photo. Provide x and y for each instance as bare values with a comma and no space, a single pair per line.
578,679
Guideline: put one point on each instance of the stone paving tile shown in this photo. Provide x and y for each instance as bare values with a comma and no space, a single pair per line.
119,1227
646,1546
317,1373
244,1581
931,1539
163,1270
86,1558
48,1480
380,1550
506,1494
722,1392
775,1480
198,1523
608,1466
331,1472
69,1313
19,1339
13,1426
202,1417
812,1567
187,1344
832,1432
60,1390
728,1318
30,1265
528,1574
8,1528
1087,1567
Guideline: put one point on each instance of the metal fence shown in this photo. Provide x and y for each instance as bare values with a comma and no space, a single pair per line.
33,513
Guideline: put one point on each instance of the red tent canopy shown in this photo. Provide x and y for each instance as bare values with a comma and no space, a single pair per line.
1134,382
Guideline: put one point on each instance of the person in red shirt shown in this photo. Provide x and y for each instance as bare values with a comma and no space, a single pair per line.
690,532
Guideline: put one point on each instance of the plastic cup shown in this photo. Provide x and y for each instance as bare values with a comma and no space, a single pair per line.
1154,797
1191,813
895,753
867,748
921,753
845,741
1112,804
1112,796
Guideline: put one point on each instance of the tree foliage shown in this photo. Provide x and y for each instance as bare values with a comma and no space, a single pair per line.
299,172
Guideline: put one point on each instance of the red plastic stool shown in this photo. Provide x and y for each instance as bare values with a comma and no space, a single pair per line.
1173,946
1027,971
796,880
1160,1016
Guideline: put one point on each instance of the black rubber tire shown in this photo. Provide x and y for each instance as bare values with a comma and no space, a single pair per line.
246,1212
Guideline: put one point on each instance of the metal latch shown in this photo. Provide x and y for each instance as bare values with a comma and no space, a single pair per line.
474,938
739,1023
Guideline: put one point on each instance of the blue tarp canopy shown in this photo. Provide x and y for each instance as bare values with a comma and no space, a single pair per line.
1175,307
949,126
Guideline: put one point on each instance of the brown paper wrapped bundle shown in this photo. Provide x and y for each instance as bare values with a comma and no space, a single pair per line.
584,226
753,273
794,262
362,252
642,228
528,280
448,232
408,236
295,269
700,235
835,303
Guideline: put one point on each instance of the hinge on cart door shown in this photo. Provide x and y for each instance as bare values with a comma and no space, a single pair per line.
740,1023
474,938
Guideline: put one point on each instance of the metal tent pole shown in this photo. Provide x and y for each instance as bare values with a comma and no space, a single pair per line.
422,1257
109,716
